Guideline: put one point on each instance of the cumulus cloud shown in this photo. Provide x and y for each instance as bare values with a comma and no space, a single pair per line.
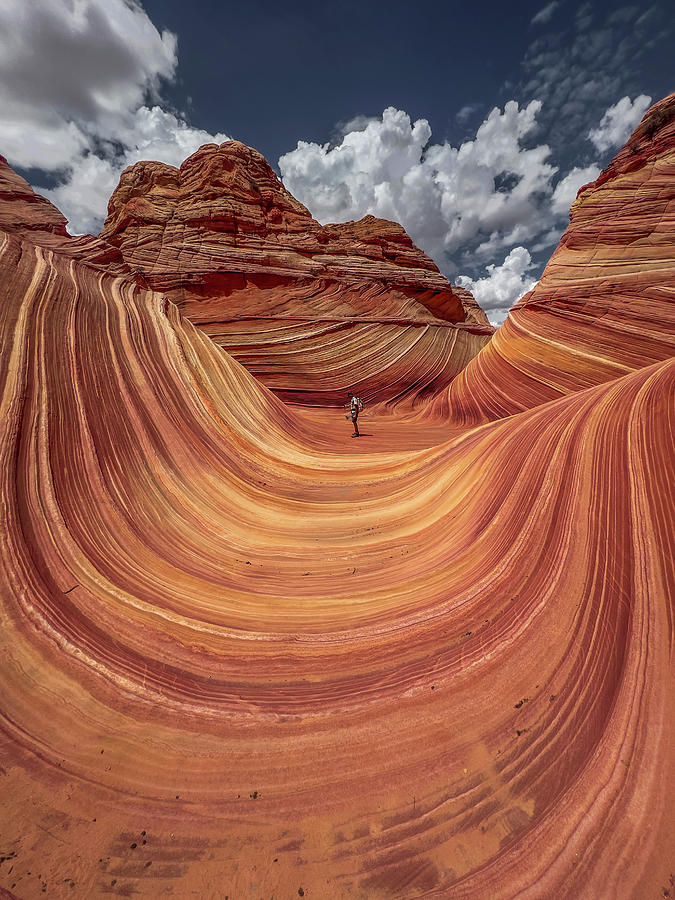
545,13
83,194
448,198
619,122
566,190
493,197
503,285
75,78
67,68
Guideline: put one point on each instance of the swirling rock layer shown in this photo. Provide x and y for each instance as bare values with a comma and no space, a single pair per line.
306,308
244,656
604,305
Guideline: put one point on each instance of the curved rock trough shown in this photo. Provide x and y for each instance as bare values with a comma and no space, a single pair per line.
243,656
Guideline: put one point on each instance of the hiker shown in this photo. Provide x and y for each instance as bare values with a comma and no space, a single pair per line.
355,407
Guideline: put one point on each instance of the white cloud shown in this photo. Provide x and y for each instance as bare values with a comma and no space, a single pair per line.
582,67
465,206
50,144
446,197
466,112
347,177
152,134
83,195
503,284
71,68
566,190
618,122
358,123
75,77
545,13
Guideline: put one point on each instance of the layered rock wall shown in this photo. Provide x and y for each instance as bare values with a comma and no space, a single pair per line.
309,310
234,660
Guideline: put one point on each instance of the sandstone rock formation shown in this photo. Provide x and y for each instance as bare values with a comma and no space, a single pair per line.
25,213
604,305
237,659
306,308
21,209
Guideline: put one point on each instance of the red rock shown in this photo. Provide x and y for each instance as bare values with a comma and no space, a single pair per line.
22,210
25,213
604,305
242,653
310,310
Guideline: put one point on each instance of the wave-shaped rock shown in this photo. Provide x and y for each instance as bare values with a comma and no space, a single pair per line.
306,308
604,305
237,660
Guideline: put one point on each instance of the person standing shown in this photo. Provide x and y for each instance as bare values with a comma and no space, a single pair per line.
355,407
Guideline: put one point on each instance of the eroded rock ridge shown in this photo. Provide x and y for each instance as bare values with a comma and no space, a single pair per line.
307,308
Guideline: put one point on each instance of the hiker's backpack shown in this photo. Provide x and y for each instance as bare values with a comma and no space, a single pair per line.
360,402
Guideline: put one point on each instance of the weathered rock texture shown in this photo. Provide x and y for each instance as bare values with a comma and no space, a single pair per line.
25,213
605,303
236,660
22,210
307,309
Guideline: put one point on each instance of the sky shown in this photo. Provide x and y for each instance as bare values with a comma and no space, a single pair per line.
471,124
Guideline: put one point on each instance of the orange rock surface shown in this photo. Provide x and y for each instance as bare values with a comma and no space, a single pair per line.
242,655
25,213
604,305
21,209
306,308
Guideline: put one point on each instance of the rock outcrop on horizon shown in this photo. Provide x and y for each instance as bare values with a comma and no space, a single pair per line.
604,306
242,655
306,308
27,214
24,211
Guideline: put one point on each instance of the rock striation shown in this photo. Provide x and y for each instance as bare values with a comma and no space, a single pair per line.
304,307
25,213
240,656
604,305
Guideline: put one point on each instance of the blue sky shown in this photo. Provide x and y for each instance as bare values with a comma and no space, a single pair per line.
472,124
